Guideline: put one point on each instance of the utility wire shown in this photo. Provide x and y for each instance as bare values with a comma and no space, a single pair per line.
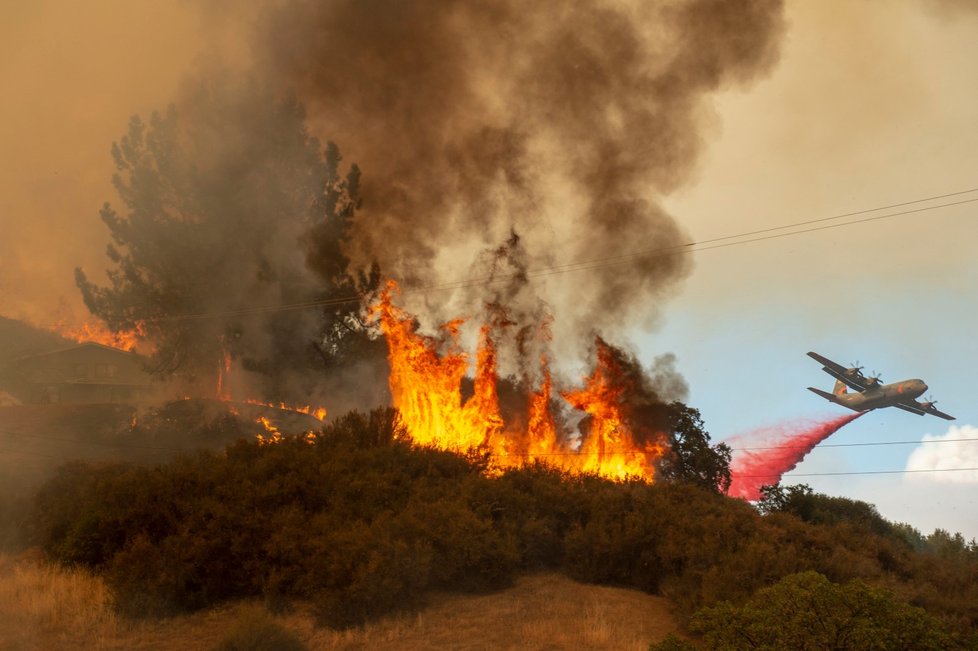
123,446
854,472
771,476
594,263
852,445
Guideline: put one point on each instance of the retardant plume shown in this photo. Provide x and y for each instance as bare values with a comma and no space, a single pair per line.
564,121
762,456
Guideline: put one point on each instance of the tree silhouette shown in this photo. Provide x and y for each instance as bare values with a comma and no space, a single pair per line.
229,240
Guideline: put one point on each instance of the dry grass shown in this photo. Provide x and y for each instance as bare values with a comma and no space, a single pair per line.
48,608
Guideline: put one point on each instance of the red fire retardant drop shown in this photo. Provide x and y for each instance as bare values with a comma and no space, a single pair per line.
776,450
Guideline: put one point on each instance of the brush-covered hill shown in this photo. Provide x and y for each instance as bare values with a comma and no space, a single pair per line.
43,606
357,524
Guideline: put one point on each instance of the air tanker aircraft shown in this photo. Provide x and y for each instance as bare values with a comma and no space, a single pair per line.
871,394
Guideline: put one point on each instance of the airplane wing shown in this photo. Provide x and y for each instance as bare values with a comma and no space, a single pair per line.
838,371
915,407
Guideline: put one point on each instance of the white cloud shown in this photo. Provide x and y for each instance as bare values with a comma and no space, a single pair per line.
947,452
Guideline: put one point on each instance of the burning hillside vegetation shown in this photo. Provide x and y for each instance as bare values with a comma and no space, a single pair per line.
616,440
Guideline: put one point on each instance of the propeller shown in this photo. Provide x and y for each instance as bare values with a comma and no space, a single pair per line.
876,377
855,367
928,403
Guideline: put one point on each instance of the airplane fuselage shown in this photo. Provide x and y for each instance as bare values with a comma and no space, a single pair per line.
884,395
870,393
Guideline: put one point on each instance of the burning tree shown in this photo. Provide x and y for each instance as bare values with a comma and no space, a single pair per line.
627,430
222,196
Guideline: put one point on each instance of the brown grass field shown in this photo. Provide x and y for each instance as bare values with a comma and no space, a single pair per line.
47,608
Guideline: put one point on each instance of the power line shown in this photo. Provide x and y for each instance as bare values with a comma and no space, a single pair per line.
550,454
852,445
767,476
594,263
854,472
689,248
122,446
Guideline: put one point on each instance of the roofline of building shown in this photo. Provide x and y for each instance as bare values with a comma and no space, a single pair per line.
76,346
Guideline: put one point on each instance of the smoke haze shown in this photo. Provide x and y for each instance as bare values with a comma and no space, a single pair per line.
473,121
563,123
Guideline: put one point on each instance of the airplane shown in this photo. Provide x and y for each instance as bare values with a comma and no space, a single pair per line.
871,394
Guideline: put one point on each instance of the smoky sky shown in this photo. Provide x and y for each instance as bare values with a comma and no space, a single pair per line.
564,122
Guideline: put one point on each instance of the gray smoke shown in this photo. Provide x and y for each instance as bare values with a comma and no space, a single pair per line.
565,122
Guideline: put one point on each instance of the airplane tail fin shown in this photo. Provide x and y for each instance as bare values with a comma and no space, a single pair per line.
825,394
840,388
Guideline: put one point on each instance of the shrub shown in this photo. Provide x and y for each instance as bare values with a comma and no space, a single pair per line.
256,631
362,523
807,611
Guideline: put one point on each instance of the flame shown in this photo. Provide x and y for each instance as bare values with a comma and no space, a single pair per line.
611,449
274,435
426,388
100,334
319,413
223,392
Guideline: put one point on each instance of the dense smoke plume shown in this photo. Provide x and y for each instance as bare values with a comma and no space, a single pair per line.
565,122
543,134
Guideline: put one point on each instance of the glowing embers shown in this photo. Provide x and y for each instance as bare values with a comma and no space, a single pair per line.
273,435
319,413
426,386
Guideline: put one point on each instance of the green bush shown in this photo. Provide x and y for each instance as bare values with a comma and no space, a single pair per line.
362,523
807,611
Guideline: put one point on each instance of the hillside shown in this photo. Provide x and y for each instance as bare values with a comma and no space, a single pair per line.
357,529
42,607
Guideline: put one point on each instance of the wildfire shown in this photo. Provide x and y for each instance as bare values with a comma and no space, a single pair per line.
611,448
319,413
222,391
273,435
100,334
426,389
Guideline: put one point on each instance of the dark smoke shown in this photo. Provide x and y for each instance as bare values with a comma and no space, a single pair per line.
638,396
564,121
472,122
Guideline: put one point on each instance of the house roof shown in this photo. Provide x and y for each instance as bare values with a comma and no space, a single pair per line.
84,344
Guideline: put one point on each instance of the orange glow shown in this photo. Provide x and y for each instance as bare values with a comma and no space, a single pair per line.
100,334
426,387
273,434
319,413
610,448
223,392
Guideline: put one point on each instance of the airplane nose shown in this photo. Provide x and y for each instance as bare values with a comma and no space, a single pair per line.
923,387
